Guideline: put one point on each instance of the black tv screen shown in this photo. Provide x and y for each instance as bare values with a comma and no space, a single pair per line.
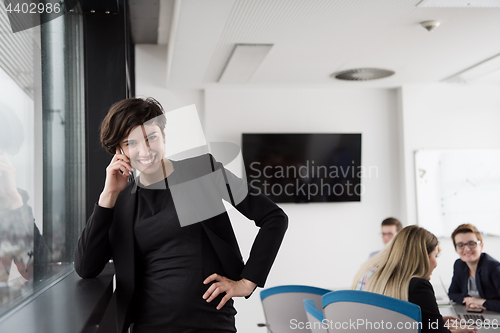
303,168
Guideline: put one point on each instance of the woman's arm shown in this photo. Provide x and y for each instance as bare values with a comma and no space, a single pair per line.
93,250
272,222
422,294
455,291
271,219
492,304
493,280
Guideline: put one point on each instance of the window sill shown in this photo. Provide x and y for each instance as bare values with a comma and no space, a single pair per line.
71,305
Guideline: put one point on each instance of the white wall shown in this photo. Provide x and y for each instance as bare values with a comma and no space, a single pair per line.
325,242
150,80
440,116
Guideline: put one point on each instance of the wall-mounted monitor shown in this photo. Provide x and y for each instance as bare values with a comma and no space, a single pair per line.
299,168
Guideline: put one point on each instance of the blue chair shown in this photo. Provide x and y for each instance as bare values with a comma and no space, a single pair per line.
284,307
314,317
370,312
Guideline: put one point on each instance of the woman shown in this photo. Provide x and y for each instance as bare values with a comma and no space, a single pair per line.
476,275
169,271
405,275
21,243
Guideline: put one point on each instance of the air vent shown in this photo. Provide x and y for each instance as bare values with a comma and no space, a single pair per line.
362,74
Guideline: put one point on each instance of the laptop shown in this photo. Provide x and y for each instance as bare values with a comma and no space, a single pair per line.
477,319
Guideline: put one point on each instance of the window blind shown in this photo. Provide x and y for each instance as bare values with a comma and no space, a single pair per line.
16,53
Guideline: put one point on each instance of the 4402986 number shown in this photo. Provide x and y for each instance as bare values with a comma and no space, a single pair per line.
33,8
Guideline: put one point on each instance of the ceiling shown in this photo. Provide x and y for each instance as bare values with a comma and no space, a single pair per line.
313,38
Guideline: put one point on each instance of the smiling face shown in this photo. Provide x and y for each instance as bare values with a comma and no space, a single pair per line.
468,254
145,146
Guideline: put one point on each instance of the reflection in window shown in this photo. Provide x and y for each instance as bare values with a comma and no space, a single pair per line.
17,228
41,154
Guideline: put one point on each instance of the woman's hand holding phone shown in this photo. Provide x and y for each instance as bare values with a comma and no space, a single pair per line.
117,174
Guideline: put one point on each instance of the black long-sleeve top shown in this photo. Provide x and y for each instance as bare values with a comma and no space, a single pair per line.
422,294
174,262
109,232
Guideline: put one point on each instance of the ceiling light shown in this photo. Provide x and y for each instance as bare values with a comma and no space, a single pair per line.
243,62
362,74
474,72
458,3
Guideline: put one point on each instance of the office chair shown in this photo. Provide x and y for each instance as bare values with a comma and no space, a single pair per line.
314,317
284,307
363,311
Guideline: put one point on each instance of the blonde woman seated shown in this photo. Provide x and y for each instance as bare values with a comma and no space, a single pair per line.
404,270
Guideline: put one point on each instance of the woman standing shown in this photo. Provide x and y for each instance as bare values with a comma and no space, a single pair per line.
169,273
476,275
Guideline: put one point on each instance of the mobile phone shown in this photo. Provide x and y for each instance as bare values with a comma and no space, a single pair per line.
131,174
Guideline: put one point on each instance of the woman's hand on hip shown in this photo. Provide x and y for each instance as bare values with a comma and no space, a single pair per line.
232,288
117,174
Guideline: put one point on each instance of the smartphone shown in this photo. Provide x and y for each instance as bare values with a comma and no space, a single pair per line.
131,174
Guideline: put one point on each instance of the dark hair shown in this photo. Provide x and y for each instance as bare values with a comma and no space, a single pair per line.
393,221
466,228
125,115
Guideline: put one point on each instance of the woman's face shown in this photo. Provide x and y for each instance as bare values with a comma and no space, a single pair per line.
433,261
145,146
468,254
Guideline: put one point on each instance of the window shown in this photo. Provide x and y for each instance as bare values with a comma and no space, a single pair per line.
42,205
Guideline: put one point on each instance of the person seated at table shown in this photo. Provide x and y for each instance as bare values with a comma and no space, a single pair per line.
476,275
405,274
369,267
389,228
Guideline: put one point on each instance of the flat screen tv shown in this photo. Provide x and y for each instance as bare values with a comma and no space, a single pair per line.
300,168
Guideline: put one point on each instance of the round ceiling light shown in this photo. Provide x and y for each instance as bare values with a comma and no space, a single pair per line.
362,74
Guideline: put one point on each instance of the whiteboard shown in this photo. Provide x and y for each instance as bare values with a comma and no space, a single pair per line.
458,186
